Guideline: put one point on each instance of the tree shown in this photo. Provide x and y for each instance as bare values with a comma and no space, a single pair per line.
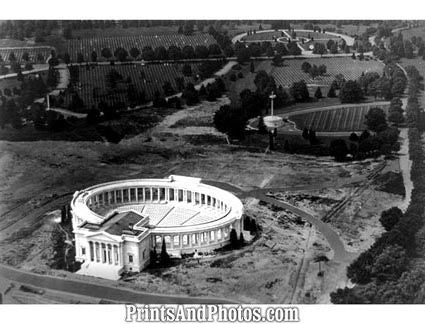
293,49
148,54
66,58
360,270
134,52
390,217
234,242
351,92
190,95
153,256
80,58
299,91
376,120
164,258
188,52
231,121
93,56
12,57
305,67
390,264
305,133
331,92
201,51
281,49
120,54
318,93
26,56
243,54
106,53
277,60
354,137
395,111
338,149
346,296
319,48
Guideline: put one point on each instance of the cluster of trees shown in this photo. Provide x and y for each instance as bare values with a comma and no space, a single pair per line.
415,117
163,259
391,84
232,119
313,70
384,273
21,29
223,40
14,110
148,53
244,52
366,145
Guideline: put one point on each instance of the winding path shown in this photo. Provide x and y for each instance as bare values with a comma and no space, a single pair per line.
333,238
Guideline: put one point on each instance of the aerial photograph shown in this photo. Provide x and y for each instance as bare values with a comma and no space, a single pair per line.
212,161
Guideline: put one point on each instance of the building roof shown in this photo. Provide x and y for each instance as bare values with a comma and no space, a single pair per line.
119,223
123,222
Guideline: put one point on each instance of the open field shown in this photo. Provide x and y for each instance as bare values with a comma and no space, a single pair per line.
315,35
351,69
87,45
148,78
345,119
264,36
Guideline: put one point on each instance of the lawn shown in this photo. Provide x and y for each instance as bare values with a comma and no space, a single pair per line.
147,78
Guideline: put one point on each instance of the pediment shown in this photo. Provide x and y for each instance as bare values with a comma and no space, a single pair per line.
103,236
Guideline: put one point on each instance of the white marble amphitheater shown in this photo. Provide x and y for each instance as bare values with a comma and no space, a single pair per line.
117,224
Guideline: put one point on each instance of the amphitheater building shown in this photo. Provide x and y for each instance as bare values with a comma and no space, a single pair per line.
117,224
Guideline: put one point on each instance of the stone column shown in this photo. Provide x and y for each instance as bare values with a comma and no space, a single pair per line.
97,251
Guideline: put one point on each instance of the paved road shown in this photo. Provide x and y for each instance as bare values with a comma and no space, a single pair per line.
121,295
335,242
348,39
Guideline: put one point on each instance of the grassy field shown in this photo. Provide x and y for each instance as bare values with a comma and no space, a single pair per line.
291,72
87,45
343,119
351,69
147,78
119,31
